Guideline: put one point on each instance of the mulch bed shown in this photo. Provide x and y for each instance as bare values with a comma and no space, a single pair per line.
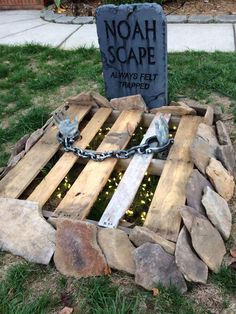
179,7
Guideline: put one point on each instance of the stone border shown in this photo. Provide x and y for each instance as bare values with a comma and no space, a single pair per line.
50,16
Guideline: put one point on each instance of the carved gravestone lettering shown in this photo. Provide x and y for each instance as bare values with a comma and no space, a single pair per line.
132,41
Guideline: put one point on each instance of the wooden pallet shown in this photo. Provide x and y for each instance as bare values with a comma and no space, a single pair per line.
162,216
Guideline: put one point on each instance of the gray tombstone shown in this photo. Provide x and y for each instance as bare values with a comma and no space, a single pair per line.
133,45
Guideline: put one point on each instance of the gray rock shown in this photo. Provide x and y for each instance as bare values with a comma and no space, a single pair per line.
77,252
200,19
133,44
222,133
117,249
50,16
141,235
225,18
65,19
177,19
154,266
206,240
187,261
221,179
194,190
218,212
226,154
24,231
203,147
83,20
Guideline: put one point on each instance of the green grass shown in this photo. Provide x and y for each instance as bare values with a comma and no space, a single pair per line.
98,295
16,298
225,279
35,80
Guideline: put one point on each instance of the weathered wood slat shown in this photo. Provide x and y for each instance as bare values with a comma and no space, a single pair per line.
16,181
48,185
129,184
83,193
163,216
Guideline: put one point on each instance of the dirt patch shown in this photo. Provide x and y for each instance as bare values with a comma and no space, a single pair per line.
8,260
209,295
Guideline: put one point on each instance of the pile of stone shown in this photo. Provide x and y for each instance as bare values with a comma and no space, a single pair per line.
82,249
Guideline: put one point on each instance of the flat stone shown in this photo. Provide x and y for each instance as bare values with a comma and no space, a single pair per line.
175,110
100,100
77,252
177,19
141,235
85,36
24,231
83,99
204,146
200,37
134,102
50,16
83,20
65,19
208,134
187,261
218,212
200,19
117,249
209,116
50,34
154,266
221,179
6,31
206,240
226,154
194,190
225,18
222,133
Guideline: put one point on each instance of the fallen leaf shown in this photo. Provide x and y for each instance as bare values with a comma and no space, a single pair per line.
233,252
155,292
66,310
107,271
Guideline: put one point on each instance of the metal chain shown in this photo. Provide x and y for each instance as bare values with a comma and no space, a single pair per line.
151,146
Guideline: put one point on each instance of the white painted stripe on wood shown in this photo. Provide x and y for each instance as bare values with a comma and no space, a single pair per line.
130,182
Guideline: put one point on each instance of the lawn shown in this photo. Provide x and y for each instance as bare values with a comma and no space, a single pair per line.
35,80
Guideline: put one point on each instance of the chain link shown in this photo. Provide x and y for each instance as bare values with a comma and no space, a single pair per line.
151,146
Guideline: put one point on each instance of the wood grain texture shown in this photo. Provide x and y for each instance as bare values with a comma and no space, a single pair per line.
129,184
83,193
16,181
49,184
163,215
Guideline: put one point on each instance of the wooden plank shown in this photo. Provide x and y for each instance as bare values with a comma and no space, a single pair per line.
15,182
48,185
163,216
83,193
129,184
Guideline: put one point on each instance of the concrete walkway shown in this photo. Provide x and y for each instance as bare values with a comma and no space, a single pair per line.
21,27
